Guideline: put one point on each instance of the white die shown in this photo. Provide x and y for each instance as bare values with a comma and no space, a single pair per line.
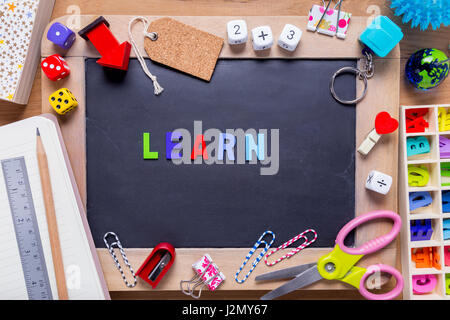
378,182
237,31
289,37
262,38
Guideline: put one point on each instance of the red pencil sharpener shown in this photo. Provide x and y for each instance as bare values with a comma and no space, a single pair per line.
157,264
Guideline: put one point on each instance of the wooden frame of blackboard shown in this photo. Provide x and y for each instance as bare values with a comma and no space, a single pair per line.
383,94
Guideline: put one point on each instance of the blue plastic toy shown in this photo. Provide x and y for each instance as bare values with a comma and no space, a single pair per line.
446,201
381,36
423,12
427,68
419,199
446,223
417,145
421,230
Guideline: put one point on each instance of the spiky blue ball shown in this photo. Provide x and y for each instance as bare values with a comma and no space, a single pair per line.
423,12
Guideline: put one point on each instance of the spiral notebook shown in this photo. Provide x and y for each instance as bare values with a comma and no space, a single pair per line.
83,272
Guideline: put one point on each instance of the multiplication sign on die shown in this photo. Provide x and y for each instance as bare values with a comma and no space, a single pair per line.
237,31
289,37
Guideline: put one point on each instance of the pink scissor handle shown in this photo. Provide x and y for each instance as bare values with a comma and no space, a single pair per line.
374,244
385,296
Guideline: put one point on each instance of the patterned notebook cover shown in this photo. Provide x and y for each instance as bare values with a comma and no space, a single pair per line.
16,25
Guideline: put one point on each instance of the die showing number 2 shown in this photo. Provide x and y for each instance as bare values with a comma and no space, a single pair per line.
237,27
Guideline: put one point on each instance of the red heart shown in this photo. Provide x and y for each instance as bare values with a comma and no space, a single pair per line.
385,124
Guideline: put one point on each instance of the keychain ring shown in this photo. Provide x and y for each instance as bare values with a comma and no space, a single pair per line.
356,71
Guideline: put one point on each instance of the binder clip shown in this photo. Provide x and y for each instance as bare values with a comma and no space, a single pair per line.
157,264
207,274
329,21
384,124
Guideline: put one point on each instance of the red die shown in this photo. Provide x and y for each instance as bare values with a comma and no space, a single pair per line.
55,67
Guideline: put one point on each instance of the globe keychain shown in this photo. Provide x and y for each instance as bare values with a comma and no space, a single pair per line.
379,38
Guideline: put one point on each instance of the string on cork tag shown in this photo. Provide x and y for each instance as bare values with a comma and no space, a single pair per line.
183,47
153,37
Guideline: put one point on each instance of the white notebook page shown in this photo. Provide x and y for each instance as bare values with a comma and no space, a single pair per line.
19,139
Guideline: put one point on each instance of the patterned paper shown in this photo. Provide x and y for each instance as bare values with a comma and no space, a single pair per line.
328,24
16,25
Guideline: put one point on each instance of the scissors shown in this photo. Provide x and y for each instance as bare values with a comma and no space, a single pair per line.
339,264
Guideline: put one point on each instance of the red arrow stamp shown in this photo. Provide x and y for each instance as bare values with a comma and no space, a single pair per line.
114,54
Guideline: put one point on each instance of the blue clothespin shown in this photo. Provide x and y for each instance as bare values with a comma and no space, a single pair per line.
421,230
417,145
381,36
446,201
419,199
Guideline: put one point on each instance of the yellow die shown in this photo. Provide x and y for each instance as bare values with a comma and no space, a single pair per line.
63,101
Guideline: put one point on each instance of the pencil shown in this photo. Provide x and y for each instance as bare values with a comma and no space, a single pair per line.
51,218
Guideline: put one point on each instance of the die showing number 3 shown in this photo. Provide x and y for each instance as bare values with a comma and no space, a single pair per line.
289,37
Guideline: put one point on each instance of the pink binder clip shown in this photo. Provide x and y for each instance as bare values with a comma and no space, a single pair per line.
206,274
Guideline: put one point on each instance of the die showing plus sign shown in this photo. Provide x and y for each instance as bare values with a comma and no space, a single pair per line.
263,35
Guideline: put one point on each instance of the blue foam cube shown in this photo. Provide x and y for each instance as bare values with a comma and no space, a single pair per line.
381,36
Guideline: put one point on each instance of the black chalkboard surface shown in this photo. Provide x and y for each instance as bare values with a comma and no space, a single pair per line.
220,205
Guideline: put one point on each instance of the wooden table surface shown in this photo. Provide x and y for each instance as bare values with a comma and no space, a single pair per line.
412,41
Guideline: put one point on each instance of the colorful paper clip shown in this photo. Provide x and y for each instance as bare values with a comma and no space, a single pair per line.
295,250
258,258
207,274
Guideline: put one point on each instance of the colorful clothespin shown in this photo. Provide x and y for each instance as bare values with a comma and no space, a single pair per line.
260,241
207,274
419,199
421,230
444,147
328,21
304,244
418,176
384,124
417,145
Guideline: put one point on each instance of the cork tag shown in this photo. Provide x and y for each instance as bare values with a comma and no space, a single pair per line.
183,47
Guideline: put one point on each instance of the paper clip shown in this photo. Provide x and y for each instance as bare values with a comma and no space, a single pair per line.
124,257
206,274
295,250
258,258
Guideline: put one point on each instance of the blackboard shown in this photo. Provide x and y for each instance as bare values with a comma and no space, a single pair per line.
220,206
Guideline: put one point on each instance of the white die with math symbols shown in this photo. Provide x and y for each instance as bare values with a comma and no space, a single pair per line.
262,38
379,182
237,31
289,37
